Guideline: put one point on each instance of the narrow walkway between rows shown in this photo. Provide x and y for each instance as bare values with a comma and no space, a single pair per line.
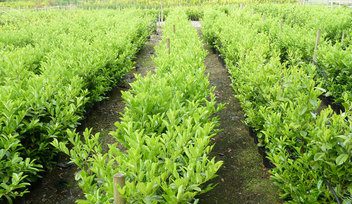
243,177
59,186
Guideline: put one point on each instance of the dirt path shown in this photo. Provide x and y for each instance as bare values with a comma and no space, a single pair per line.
59,186
243,177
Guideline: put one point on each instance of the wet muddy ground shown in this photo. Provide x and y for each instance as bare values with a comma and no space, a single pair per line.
58,186
243,177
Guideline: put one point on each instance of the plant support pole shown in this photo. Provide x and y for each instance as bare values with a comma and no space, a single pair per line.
162,13
317,40
342,37
168,45
119,180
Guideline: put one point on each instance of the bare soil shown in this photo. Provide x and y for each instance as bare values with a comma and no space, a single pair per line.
243,178
58,186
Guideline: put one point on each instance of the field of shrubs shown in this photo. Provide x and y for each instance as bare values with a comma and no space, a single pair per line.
290,67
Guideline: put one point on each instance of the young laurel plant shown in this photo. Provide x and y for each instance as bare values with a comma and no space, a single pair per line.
165,130
85,153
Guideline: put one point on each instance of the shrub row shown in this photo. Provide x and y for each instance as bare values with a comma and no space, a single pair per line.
332,21
78,56
294,29
310,148
163,140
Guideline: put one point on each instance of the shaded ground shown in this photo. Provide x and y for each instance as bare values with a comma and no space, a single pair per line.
59,186
330,101
243,178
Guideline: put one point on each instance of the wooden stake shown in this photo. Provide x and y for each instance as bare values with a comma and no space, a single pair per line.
317,40
342,37
162,16
168,45
174,28
119,180
281,24
162,13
